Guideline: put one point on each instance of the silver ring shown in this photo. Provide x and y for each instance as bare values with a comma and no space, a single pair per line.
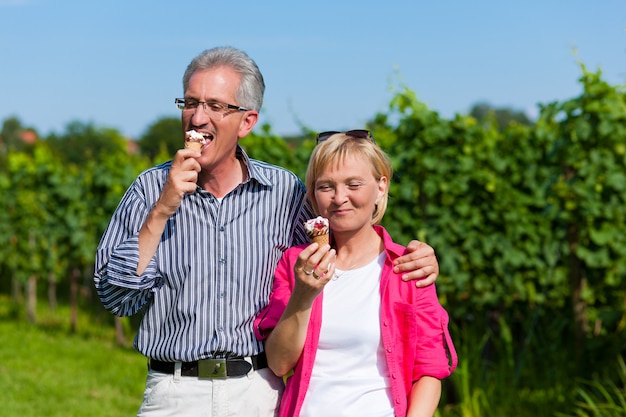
312,271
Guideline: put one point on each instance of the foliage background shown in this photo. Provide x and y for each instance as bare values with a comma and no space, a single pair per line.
527,219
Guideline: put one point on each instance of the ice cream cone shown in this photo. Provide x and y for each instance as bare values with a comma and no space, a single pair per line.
196,146
321,239
318,230
194,140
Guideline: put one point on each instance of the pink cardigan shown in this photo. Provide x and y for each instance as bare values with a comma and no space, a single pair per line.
414,328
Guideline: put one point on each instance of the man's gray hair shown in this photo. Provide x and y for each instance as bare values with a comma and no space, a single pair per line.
251,89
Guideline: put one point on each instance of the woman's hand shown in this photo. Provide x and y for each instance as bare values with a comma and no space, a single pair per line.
313,269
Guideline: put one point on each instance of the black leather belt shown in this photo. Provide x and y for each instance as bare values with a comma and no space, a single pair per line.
213,368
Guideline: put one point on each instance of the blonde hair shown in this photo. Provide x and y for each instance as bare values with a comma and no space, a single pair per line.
336,149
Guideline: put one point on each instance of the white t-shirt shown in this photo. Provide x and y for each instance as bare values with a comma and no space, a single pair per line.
350,375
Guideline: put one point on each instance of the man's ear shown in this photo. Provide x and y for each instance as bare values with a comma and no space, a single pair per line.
247,122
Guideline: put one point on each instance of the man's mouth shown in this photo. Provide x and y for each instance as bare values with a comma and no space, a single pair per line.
199,137
207,137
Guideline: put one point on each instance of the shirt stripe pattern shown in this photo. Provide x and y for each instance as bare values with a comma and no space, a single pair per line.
214,266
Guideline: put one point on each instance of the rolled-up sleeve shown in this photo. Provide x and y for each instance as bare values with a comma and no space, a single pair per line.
120,289
435,354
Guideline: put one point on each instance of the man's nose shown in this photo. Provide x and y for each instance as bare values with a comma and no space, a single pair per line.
200,116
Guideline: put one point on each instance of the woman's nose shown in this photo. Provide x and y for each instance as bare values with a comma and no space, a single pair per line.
340,195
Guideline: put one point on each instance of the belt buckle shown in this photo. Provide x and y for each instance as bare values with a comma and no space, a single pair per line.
212,368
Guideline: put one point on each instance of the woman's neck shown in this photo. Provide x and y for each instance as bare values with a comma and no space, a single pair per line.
356,250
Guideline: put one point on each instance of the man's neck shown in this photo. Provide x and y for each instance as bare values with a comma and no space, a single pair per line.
223,178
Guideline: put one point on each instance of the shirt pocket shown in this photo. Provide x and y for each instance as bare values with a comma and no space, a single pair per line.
406,322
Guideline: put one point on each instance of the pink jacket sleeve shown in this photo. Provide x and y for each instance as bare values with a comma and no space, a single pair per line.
267,319
435,354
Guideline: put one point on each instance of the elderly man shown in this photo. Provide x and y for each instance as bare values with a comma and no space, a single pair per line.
193,246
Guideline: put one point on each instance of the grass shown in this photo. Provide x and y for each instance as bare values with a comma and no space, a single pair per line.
46,371
488,383
601,398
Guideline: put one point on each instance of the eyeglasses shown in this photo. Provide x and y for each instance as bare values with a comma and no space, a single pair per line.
357,134
188,104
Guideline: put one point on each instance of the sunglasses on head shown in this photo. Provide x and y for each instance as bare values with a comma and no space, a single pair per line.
357,134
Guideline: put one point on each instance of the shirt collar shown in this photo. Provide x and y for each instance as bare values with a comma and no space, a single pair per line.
394,250
254,173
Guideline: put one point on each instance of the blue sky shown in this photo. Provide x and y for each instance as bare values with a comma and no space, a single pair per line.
328,65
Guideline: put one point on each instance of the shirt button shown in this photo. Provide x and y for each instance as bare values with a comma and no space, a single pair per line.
222,261
221,228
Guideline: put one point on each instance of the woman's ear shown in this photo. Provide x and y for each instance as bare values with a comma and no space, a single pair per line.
382,188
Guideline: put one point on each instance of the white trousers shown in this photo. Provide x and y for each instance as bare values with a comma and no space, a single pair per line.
254,395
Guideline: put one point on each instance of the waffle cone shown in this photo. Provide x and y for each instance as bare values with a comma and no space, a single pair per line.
321,239
196,146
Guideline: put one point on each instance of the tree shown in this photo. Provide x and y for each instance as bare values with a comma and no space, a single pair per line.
587,199
270,148
13,135
527,220
502,117
163,137
82,142
27,205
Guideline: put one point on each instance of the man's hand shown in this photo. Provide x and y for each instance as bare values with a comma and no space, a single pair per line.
419,263
181,180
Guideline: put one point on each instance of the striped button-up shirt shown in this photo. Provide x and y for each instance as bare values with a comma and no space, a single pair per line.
214,266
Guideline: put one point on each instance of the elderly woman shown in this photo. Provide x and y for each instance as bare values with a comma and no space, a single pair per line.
360,341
